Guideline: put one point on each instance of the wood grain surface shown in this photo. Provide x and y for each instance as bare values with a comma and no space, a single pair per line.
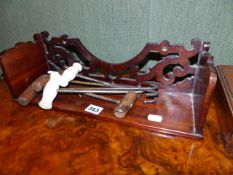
35,141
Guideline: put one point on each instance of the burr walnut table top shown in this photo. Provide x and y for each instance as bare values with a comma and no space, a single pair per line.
35,141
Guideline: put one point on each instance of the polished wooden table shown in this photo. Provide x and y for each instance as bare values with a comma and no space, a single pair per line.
35,141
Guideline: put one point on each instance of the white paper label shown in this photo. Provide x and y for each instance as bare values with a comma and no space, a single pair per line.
155,118
94,109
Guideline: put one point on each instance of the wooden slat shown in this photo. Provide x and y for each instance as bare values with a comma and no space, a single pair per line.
22,65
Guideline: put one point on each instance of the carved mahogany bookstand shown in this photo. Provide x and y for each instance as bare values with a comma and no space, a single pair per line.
186,78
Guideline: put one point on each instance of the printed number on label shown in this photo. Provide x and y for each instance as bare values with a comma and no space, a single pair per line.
94,109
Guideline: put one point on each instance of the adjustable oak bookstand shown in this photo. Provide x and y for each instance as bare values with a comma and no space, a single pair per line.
186,78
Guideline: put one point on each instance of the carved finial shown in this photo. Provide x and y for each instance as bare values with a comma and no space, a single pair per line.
206,46
164,47
42,35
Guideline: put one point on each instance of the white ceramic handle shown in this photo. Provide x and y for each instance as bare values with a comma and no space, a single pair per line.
69,74
56,80
50,90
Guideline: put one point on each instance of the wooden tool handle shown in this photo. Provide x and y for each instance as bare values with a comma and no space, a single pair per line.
31,91
40,83
26,96
125,104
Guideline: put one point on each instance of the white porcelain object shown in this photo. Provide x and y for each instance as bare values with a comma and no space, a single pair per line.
56,80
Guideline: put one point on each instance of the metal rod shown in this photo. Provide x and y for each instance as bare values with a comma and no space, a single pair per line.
103,98
96,90
95,80
112,90
87,83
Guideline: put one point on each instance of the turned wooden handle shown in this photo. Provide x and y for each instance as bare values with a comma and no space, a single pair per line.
40,83
125,104
31,91
26,96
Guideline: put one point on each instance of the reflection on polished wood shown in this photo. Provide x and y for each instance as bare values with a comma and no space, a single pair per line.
35,141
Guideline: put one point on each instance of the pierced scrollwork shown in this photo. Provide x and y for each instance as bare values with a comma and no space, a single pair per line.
175,61
179,58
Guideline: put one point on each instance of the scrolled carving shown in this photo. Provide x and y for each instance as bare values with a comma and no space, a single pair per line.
174,60
179,59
